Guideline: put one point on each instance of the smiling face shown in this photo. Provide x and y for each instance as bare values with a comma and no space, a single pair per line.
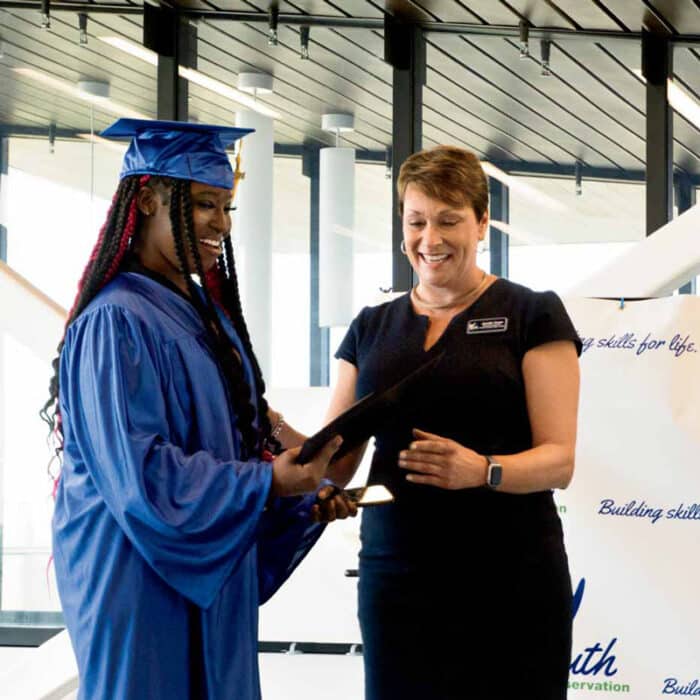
155,246
441,240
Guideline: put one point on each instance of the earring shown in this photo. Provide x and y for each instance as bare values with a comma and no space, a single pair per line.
403,246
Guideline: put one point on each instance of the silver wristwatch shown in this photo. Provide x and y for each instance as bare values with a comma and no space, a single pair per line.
494,475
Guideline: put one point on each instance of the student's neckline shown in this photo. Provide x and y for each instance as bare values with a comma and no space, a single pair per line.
132,264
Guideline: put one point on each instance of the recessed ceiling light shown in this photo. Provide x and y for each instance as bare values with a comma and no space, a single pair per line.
102,103
194,76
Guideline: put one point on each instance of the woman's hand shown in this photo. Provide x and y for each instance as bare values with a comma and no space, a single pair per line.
331,504
289,478
438,461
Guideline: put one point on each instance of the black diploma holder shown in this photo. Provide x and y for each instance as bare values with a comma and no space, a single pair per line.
360,422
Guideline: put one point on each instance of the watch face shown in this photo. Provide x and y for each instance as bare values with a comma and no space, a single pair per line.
495,474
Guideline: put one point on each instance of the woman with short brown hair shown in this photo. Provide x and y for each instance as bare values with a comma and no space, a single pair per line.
464,585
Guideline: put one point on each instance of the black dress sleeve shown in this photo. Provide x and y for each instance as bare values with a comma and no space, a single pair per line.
349,347
547,321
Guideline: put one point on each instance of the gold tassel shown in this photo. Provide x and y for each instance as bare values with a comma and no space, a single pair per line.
238,174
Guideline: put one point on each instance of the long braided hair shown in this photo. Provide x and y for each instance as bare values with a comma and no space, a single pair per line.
219,287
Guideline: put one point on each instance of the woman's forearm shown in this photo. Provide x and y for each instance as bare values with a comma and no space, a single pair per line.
547,466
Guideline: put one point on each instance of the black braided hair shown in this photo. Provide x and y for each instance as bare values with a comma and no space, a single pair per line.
232,368
114,241
232,304
107,254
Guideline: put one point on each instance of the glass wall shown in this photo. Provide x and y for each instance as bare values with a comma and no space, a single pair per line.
372,266
561,238
291,279
54,202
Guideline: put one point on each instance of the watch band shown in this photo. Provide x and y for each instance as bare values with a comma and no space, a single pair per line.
494,475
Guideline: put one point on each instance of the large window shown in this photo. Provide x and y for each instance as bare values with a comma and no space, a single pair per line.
291,281
563,238
54,203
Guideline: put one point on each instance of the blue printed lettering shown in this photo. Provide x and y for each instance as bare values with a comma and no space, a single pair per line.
673,687
679,346
649,343
604,661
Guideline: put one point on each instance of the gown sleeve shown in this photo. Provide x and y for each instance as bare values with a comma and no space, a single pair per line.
286,535
192,517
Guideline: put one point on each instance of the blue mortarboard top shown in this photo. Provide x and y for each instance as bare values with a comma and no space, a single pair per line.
177,149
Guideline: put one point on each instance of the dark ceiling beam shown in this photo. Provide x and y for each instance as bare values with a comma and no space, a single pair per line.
174,39
655,21
298,19
91,8
21,130
404,51
657,68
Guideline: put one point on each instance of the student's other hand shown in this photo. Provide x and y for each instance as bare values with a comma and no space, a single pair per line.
331,504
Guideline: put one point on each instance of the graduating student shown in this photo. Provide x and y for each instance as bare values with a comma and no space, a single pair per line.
172,523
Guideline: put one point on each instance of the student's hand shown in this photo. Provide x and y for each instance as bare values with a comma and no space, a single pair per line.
331,504
289,478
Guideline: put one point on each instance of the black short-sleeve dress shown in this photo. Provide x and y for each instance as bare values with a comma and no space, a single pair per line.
463,594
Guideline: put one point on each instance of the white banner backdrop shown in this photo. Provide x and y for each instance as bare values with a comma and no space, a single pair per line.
632,513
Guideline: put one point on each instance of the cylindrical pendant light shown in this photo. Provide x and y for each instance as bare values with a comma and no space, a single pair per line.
336,224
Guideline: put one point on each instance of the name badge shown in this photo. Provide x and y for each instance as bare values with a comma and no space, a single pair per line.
487,325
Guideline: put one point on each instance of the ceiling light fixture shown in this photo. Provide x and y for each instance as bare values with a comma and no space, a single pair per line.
304,33
101,102
578,178
522,187
255,83
82,28
337,124
192,75
45,14
272,37
52,137
545,47
524,39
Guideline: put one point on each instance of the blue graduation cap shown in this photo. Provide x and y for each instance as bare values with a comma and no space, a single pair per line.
177,149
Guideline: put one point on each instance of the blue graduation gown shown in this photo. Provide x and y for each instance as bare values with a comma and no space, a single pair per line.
162,544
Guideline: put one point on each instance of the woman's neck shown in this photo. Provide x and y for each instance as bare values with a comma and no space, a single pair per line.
431,297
